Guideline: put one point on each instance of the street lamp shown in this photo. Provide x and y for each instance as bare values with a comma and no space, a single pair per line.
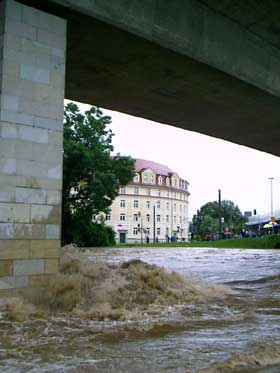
271,195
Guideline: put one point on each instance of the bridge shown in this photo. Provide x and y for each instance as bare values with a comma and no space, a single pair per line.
204,65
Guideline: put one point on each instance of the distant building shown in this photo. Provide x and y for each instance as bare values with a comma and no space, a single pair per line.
153,206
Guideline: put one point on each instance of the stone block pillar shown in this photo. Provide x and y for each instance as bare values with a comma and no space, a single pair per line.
32,78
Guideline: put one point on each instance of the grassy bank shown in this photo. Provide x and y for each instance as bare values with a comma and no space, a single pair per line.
265,242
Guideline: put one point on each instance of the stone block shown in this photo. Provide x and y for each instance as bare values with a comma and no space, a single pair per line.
7,151
20,29
32,168
10,68
6,268
24,150
51,265
15,282
52,124
55,172
8,131
40,214
7,194
39,280
53,197
34,73
51,39
28,267
55,138
9,102
13,42
13,10
37,135
46,153
7,231
8,166
20,118
52,232
44,248
14,213
30,195
14,249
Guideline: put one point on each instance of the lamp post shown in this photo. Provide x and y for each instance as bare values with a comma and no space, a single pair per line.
271,195
220,217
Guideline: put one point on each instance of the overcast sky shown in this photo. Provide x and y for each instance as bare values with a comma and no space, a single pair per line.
207,163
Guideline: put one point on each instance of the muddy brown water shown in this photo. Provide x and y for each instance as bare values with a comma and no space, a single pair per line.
235,330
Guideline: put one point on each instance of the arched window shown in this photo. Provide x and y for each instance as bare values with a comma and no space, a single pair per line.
136,178
160,180
167,181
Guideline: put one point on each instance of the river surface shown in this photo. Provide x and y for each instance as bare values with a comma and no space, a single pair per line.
203,337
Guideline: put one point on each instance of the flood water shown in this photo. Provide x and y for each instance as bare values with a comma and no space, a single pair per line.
239,332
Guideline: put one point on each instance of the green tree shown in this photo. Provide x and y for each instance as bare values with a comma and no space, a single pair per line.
206,221
91,176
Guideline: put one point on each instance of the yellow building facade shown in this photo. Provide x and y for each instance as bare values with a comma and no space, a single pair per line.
153,207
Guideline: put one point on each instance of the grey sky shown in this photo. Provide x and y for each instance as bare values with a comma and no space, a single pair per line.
207,163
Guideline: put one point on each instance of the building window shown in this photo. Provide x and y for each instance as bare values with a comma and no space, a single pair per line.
145,180
148,231
148,204
122,217
93,217
160,180
158,204
167,218
148,191
175,195
158,231
122,190
152,178
135,217
167,181
148,217
174,218
108,217
167,205
136,190
136,178
135,230
135,203
174,206
122,203
158,218
158,192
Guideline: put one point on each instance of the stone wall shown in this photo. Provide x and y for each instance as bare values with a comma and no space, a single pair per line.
33,47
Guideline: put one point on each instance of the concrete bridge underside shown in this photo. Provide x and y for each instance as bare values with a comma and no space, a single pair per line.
208,66
205,65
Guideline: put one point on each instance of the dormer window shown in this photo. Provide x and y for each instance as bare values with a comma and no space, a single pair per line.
136,178
160,180
167,181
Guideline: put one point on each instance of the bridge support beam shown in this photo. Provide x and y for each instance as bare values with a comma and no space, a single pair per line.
33,45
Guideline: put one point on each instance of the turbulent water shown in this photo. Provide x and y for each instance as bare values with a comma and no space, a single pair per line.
151,310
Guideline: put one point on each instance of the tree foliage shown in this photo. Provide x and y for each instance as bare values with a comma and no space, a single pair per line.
206,221
89,170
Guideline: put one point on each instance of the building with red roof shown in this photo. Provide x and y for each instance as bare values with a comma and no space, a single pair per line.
153,207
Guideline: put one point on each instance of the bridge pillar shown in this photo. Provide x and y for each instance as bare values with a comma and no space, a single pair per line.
33,45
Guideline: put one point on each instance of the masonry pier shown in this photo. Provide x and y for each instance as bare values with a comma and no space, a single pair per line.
33,47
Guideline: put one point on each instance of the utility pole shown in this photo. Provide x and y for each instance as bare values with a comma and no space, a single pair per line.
271,195
220,218
154,224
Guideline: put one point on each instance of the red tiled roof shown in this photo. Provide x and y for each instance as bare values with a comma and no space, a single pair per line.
159,169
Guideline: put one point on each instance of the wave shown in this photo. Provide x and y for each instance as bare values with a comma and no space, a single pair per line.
257,356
